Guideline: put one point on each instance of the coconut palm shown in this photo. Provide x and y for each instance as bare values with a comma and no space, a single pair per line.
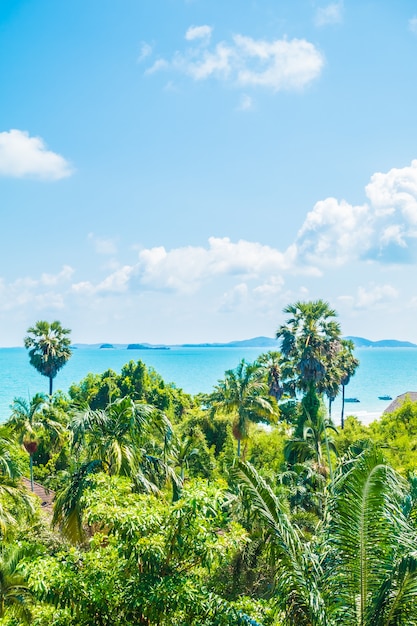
361,568
244,396
49,348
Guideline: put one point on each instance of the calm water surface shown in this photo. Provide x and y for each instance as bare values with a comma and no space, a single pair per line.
383,371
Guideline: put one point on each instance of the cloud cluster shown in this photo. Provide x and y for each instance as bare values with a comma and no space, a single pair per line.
278,65
23,156
45,292
249,276
384,229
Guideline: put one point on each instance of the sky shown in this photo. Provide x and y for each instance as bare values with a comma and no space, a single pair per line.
178,171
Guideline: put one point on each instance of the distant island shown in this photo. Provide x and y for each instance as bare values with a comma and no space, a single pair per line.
256,342
360,342
145,346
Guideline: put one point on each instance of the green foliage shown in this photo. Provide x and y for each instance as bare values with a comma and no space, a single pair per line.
136,381
361,567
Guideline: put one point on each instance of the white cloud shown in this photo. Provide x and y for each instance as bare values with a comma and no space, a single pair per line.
199,32
280,64
185,269
63,276
395,193
334,232
160,64
24,156
145,51
330,14
374,296
412,24
46,292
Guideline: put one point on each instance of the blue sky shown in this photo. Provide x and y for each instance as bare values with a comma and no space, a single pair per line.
179,170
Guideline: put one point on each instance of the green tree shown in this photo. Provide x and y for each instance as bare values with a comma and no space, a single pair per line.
49,348
244,396
361,568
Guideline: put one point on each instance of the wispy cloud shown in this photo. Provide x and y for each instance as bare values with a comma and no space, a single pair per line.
145,51
371,297
22,156
412,24
245,103
103,245
278,65
329,14
199,32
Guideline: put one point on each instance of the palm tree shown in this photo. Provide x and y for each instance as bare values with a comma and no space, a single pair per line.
310,446
310,343
49,348
245,396
29,420
269,365
309,339
361,568
348,364
118,435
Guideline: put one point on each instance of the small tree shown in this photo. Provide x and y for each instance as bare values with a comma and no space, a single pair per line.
49,348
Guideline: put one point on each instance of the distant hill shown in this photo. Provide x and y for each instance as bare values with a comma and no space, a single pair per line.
256,342
360,342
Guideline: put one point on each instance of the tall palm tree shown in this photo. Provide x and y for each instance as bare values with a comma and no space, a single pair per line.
310,338
310,343
348,366
49,348
243,395
361,568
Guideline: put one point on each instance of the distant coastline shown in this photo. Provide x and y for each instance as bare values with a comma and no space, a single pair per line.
256,342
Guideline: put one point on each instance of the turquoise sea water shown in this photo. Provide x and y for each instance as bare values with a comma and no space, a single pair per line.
383,371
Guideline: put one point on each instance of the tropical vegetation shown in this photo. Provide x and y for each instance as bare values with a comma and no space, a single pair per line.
246,505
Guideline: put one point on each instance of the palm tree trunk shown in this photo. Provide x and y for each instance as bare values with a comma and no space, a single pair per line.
31,471
342,417
238,448
50,385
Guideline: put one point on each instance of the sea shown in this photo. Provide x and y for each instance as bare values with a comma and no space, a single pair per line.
382,372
